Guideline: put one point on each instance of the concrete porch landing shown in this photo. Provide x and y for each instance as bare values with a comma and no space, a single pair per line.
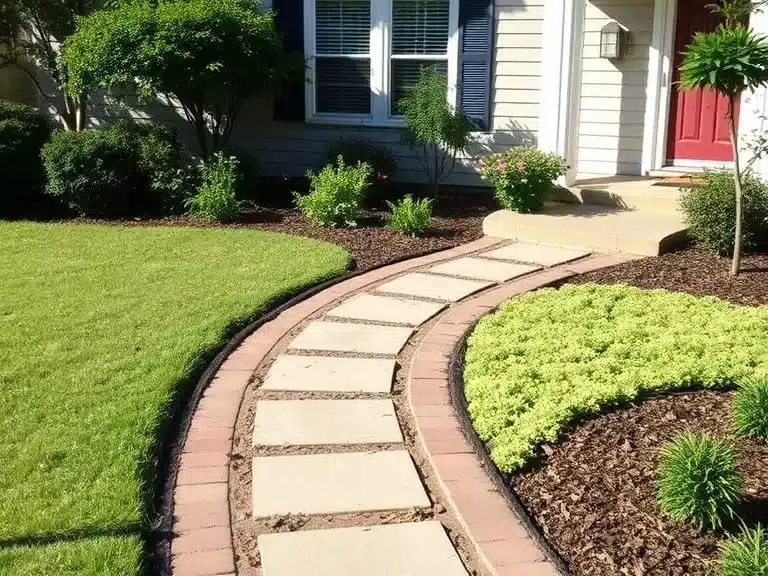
593,227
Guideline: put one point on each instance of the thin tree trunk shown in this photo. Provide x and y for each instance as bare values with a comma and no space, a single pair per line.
737,240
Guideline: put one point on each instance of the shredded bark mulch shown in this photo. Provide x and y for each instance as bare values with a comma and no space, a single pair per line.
694,271
593,497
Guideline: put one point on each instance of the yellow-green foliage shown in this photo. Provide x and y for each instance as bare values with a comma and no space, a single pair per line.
549,357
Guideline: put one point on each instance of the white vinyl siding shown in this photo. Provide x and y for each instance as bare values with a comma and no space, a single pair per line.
612,104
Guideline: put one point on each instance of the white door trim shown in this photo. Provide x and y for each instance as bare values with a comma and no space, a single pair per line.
561,80
659,86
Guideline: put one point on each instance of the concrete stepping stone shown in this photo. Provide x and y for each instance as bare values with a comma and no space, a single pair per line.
483,269
309,422
336,483
433,286
414,549
346,337
536,254
330,374
374,308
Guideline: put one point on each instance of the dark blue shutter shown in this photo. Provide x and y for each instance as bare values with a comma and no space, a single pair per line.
475,50
289,21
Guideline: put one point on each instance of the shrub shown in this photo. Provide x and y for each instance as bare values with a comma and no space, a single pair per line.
750,409
354,150
336,194
435,130
697,481
210,57
122,170
216,200
410,216
709,210
23,132
521,177
746,554
548,358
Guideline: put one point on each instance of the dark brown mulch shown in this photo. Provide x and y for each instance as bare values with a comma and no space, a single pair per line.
456,220
593,497
694,271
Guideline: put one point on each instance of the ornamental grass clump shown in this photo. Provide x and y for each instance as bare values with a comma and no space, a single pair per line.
746,554
697,481
522,177
336,194
410,216
750,409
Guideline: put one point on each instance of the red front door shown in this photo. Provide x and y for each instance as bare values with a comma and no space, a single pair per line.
698,128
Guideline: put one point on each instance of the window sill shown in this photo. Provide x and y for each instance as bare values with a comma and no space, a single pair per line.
361,121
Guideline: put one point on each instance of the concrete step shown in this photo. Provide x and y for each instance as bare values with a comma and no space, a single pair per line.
594,228
644,194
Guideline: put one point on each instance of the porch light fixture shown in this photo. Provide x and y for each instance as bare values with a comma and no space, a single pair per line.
612,41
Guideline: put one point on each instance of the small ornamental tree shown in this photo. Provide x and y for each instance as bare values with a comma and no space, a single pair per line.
729,60
434,129
209,57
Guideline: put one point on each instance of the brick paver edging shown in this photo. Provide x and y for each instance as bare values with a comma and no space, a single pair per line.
504,538
201,541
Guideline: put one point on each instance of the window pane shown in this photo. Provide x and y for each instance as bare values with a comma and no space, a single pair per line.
405,75
342,26
343,85
420,26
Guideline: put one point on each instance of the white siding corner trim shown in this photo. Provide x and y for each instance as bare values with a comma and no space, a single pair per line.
561,79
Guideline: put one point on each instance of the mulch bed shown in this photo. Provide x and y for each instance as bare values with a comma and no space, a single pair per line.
594,496
457,219
694,271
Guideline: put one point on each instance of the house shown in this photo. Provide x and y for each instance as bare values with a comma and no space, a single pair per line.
525,71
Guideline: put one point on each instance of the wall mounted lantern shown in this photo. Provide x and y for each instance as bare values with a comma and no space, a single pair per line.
613,40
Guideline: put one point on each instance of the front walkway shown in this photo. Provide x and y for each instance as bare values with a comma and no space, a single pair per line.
328,440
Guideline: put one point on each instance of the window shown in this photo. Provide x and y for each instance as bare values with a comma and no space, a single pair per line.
365,54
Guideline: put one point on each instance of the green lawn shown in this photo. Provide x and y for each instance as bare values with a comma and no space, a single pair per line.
98,327
553,356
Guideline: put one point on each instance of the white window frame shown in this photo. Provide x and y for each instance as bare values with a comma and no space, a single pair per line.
380,57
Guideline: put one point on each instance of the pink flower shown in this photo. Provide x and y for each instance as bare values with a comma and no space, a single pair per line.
381,177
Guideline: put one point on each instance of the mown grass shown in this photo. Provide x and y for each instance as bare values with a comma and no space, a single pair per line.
99,326
548,358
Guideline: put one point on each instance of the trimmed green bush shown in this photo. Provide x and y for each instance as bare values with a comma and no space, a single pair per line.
522,177
746,554
336,194
119,171
709,210
750,409
354,150
548,358
697,481
23,131
410,216
216,200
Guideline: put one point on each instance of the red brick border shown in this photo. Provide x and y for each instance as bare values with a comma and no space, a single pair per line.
201,543
503,545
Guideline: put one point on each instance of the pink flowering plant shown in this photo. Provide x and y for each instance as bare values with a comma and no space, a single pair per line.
521,177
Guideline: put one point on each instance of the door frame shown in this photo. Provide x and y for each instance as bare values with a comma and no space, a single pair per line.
659,88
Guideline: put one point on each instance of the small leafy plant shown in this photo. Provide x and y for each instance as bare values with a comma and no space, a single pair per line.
709,211
216,199
698,481
750,409
336,194
410,216
746,554
434,129
521,177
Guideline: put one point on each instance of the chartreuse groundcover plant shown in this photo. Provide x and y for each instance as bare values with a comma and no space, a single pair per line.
101,329
550,357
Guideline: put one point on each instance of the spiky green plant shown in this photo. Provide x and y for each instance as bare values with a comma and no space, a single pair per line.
750,409
410,216
746,554
697,481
